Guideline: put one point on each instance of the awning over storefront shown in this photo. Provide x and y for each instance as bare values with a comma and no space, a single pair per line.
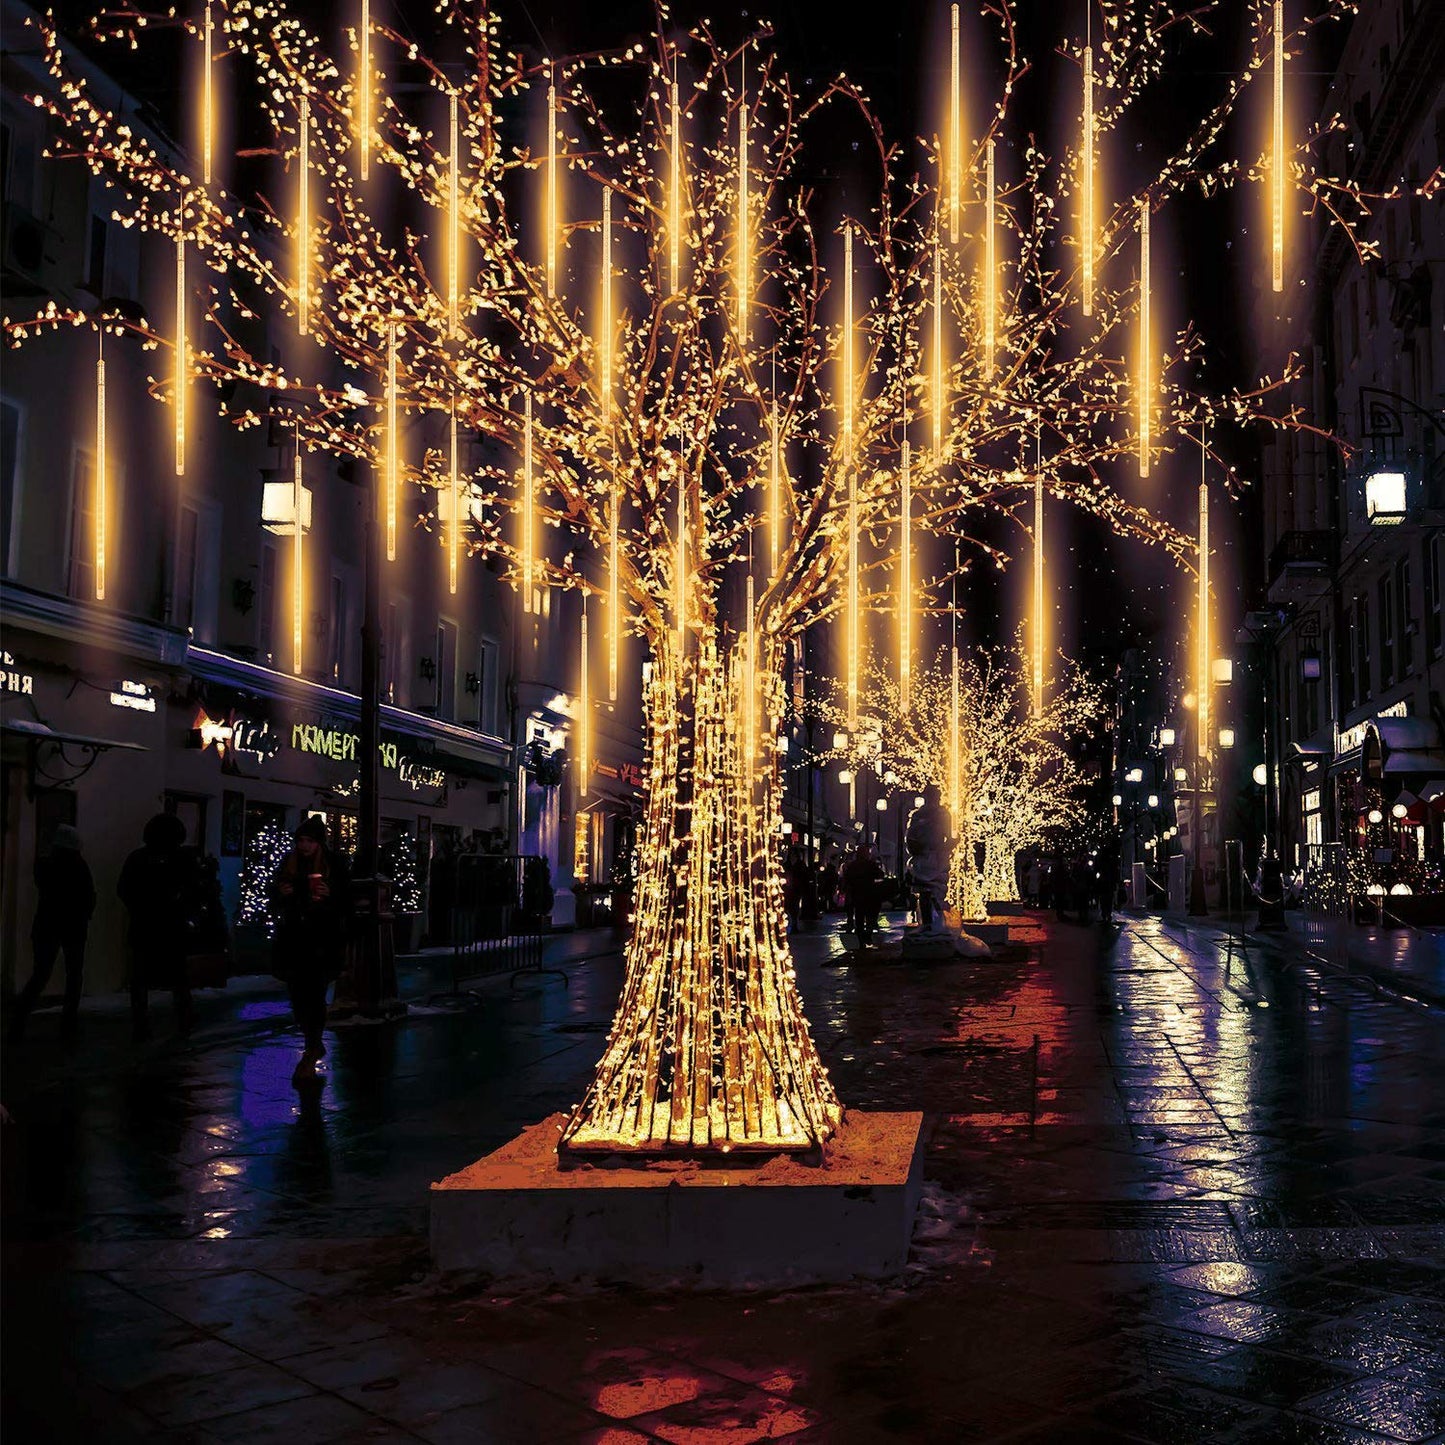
42,733
1394,747
1433,793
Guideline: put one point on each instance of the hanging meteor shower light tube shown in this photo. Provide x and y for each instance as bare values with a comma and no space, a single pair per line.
680,560
905,583
1202,662
604,349
363,89
1145,379
182,368
990,261
102,467
955,138
852,478
1276,177
528,504
298,580
393,443
208,109
454,531
775,483
1038,637
584,710
750,681
1086,221
551,182
674,185
744,236
303,218
454,225
955,769
940,396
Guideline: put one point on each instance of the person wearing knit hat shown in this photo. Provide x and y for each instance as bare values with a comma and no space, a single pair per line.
62,920
311,899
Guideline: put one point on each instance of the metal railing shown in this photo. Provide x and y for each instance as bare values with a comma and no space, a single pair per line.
493,930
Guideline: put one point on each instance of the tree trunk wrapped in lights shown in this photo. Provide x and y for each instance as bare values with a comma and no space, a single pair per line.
709,1048
707,431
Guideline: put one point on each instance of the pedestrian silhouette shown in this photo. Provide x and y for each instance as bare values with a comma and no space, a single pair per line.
66,900
311,896
154,887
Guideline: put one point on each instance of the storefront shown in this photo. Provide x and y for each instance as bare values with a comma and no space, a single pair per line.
262,750
83,706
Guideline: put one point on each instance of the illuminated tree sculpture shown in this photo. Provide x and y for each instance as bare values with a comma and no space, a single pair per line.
1007,771
718,413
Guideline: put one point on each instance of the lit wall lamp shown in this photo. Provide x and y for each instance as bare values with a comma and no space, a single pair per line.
1310,666
1374,816
882,805
1223,672
1166,737
845,776
1260,774
1385,498
278,508
1117,799
1134,775
473,683
840,741
1399,811
1226,737
1153,800
1181,775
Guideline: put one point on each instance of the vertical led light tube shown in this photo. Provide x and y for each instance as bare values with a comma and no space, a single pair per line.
905,582
853,608
940,396
614,505
674,186
1203,665
750,682
1277,168
680,560
208,96
1086,221
1145,369
1038,637
102,470
393,443
454,222
584,710
955,137
955,769
744,233
454,531
182,369
775,487
529,503
990,261
298,580
363,89
552,217
303,218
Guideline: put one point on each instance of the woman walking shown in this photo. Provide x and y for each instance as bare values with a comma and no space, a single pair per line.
65,901
312,898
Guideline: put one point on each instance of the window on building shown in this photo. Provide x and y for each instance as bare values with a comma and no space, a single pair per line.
1404,617
1385,595
266,606
1362,648
187,531
80,573
1430,580
337,625
482,687
9,477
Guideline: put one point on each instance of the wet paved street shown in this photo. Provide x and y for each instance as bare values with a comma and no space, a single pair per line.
1177,1191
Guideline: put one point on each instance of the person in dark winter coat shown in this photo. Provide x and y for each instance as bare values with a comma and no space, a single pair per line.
62,920
154,886
311,895
861,877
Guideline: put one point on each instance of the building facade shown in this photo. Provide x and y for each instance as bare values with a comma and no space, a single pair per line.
1353,535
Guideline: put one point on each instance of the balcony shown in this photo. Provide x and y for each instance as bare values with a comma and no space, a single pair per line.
1301,557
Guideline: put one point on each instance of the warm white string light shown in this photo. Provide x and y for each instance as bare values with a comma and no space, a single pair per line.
208,96
363,89
584,708
955,136
454,220
298,576
848,462
680,560
614,501
553,219
990,266
1278,166
905,578
744,256
940,394
1086,222
1039,619
775,483
674,187
393,443
454,531
529,504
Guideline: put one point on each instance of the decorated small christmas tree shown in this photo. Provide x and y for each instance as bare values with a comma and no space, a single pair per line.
264,851
398,862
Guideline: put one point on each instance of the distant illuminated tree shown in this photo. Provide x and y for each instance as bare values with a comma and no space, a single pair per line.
724,436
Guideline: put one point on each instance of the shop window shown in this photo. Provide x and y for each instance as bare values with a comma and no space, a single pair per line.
186,551
80,574
1405,616
1387,632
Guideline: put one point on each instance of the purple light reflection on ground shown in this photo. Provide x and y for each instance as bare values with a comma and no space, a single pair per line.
270,1009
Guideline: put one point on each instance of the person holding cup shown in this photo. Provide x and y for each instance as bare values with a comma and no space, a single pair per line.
311,898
